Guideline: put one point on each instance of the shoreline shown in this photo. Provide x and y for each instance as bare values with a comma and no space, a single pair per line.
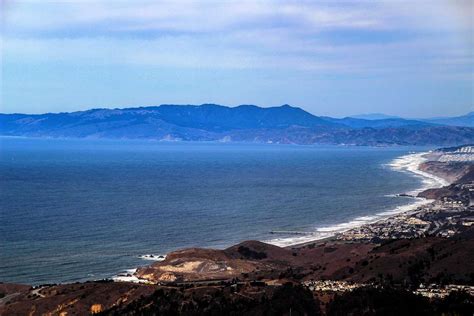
408,163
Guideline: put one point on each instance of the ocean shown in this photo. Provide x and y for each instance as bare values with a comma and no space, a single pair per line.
75,210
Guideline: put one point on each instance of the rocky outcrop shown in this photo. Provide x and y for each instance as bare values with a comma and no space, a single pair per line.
205,264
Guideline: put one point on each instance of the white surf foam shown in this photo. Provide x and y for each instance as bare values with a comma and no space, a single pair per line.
129,276
410,163
152,257
407,163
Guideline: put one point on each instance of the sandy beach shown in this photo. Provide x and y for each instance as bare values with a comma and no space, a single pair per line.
407,163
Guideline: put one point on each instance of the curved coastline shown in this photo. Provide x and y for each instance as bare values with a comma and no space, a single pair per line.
407,163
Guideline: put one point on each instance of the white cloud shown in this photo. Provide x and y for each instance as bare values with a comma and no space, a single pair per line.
30,16
240,34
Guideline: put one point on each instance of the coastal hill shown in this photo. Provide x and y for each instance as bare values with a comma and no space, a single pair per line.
244,123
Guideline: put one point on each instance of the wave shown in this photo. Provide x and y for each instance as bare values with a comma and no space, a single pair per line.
410,163
152,257
126,276
129,275
407,163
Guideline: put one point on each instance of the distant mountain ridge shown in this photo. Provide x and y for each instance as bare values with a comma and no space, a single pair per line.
218,118
374,116
464,120
244,123
381,123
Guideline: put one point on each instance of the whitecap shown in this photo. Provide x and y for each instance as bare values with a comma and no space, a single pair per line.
152,257
129,275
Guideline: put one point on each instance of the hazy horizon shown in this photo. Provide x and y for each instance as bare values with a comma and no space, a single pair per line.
355,115
410,59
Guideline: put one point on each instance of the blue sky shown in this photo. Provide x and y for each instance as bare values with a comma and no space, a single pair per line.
337,58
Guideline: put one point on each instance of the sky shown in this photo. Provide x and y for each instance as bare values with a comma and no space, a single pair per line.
337,58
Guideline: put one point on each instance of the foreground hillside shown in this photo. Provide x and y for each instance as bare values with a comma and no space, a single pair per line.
245,123
364,276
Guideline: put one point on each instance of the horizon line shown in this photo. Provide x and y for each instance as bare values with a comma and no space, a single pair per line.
394,116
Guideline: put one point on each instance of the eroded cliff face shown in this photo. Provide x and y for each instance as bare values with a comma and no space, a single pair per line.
459,174
452,171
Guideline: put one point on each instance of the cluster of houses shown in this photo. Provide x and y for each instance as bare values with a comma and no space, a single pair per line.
436,291
443,219
332,286
465,149
430,291
462,154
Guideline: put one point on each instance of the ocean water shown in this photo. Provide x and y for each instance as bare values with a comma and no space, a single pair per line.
74,210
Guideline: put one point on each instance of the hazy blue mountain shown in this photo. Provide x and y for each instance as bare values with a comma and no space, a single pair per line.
245,123
218,118
374,116
464,120
383,123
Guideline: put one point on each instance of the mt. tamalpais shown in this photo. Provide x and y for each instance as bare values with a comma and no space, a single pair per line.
245,123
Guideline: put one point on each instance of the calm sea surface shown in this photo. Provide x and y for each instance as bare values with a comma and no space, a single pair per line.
72,210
